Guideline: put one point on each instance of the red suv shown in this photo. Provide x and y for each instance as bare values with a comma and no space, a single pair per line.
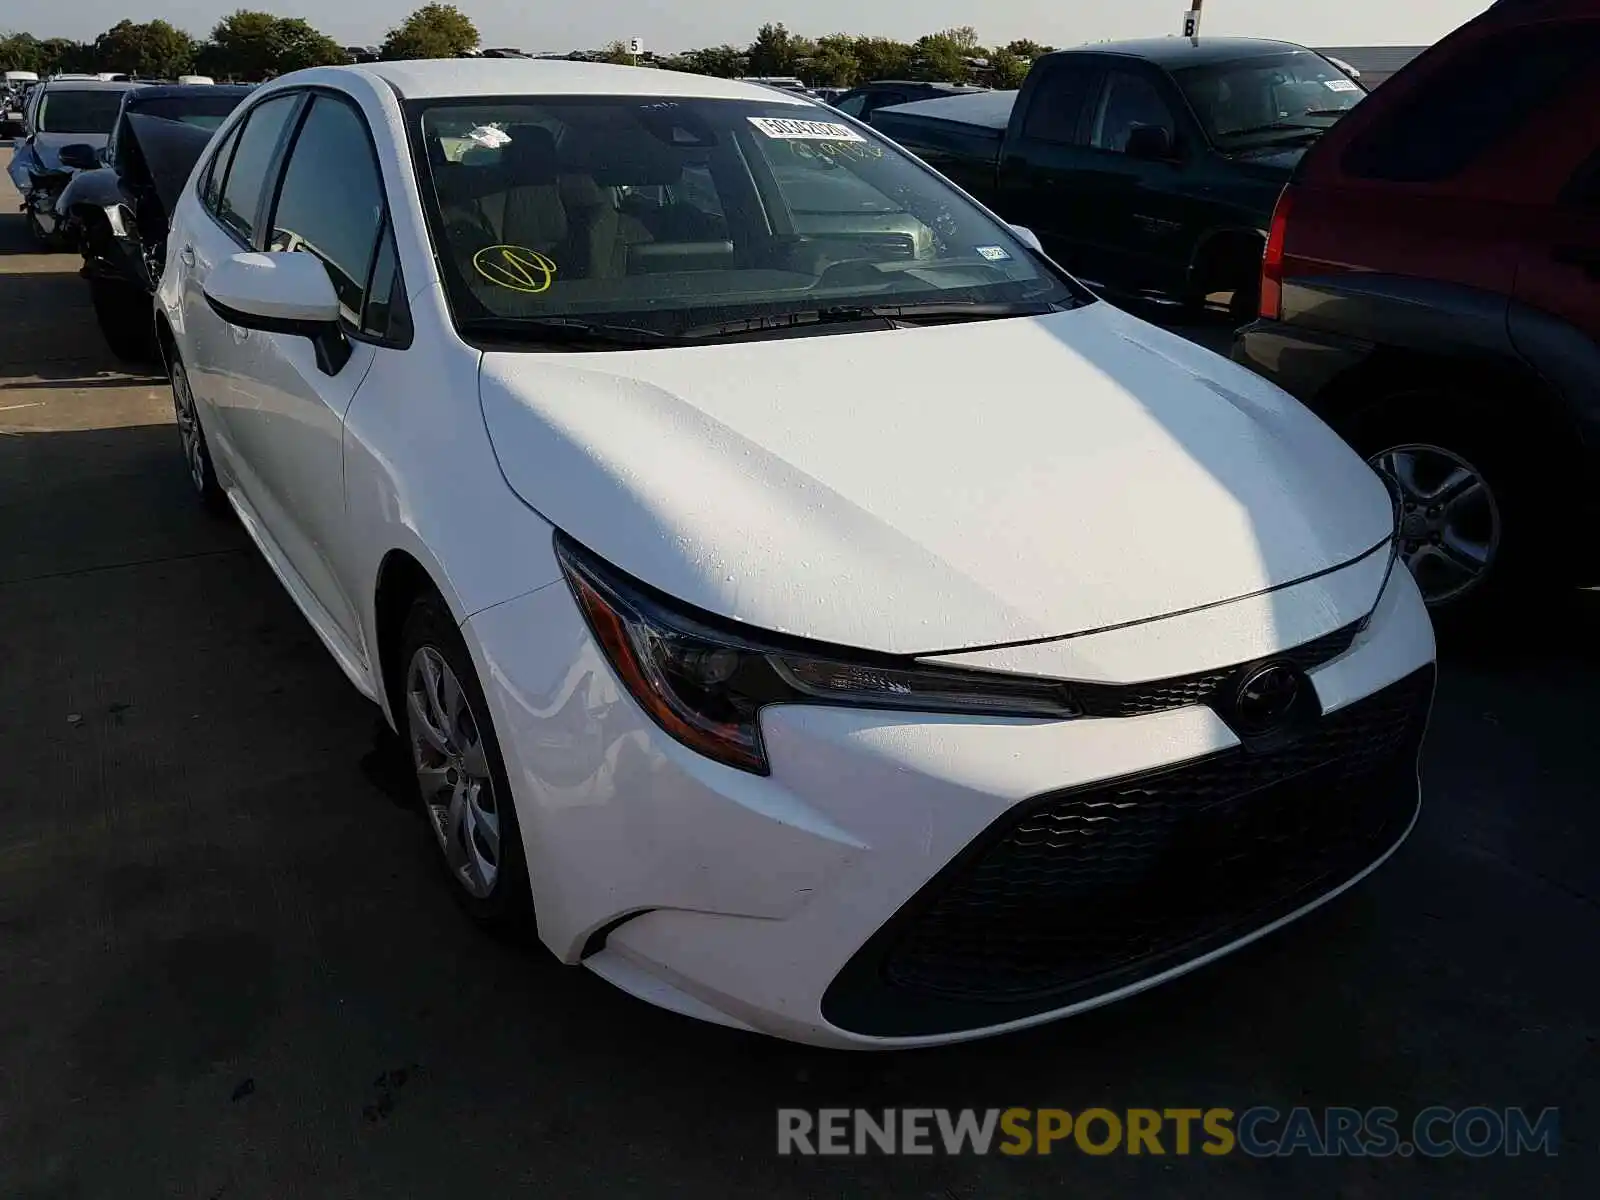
1431,287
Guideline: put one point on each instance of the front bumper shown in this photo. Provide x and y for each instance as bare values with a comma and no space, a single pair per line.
906,879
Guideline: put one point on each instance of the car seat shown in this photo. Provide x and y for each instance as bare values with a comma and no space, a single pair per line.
601,235
526,208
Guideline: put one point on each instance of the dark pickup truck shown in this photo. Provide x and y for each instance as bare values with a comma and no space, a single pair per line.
1146,166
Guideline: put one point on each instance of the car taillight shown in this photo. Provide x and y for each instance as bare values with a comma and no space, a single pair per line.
1272,259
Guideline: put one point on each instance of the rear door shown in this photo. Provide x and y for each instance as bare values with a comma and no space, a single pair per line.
1559,271
233,195
1450,175
1138,225
329,204
1044,156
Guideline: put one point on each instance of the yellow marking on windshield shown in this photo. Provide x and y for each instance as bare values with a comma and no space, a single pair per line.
516,268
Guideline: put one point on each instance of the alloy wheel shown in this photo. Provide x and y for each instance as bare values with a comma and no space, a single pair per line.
1449,520
194,446
453,774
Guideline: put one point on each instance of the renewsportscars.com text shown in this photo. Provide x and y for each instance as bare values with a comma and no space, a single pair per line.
1259,1132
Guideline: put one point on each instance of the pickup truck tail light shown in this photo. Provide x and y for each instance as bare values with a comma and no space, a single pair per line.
1272,259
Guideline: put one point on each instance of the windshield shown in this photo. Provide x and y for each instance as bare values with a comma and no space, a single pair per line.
668,215
203,112
79,111
1259,97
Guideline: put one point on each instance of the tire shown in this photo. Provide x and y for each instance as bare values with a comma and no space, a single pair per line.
1245,306
1436,438
196,453
125,319
458,776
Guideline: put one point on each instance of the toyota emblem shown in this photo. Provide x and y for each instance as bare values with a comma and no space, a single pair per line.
1266,696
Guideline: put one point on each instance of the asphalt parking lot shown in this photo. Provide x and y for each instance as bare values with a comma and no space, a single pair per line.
230,970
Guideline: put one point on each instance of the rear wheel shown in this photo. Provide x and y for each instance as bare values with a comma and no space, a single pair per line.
1471,526
196,454
125,318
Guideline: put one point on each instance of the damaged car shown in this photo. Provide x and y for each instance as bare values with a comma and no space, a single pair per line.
117,214
65,128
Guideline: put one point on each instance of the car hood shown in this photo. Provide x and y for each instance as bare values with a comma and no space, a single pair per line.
1279,161
916,490
46,147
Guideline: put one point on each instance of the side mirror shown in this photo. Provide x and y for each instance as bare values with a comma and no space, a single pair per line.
288,293
1027,237
80,156
1151,143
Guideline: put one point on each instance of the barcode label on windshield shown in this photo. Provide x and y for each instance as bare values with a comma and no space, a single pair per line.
1341,85
806,131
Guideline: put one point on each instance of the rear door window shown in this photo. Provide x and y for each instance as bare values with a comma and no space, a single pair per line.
1055,113
1130,101
217,171
1490,92
243,190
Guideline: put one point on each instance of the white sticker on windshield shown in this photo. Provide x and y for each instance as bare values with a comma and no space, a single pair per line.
1341,85
805,131
993,253
490,135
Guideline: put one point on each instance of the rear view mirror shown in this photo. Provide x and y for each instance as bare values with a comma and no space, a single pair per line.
288,293
1149,142
80,156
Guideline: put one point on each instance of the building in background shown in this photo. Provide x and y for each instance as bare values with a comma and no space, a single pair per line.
1376,63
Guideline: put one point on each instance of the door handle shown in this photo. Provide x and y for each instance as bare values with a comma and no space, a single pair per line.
186,256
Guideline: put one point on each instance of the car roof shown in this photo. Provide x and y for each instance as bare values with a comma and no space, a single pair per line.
89,85
926,83
437,78
178,91
1176,52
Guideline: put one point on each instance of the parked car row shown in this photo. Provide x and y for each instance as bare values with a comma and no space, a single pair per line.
1425,263
100,166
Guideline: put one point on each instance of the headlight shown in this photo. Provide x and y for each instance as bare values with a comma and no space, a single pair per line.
704,679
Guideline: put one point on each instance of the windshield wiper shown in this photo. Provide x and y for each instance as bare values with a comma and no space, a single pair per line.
1275,127
907,314
562,331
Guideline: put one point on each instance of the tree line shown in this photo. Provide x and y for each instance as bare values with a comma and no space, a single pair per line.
250,46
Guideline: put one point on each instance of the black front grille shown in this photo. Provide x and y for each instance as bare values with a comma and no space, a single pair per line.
1206,687
1079,893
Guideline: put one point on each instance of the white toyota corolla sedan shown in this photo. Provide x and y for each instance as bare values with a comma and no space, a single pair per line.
808,601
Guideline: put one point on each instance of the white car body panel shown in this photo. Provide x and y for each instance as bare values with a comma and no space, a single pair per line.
1081,497
753,892
841,501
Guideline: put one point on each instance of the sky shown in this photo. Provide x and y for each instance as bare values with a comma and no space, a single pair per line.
669,25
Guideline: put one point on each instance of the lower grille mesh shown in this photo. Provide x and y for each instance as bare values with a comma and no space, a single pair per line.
1090,889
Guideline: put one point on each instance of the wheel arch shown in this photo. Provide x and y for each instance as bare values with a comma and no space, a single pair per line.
1489,382
402,577
1210,265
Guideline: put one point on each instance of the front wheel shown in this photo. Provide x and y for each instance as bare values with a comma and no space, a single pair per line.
461,781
